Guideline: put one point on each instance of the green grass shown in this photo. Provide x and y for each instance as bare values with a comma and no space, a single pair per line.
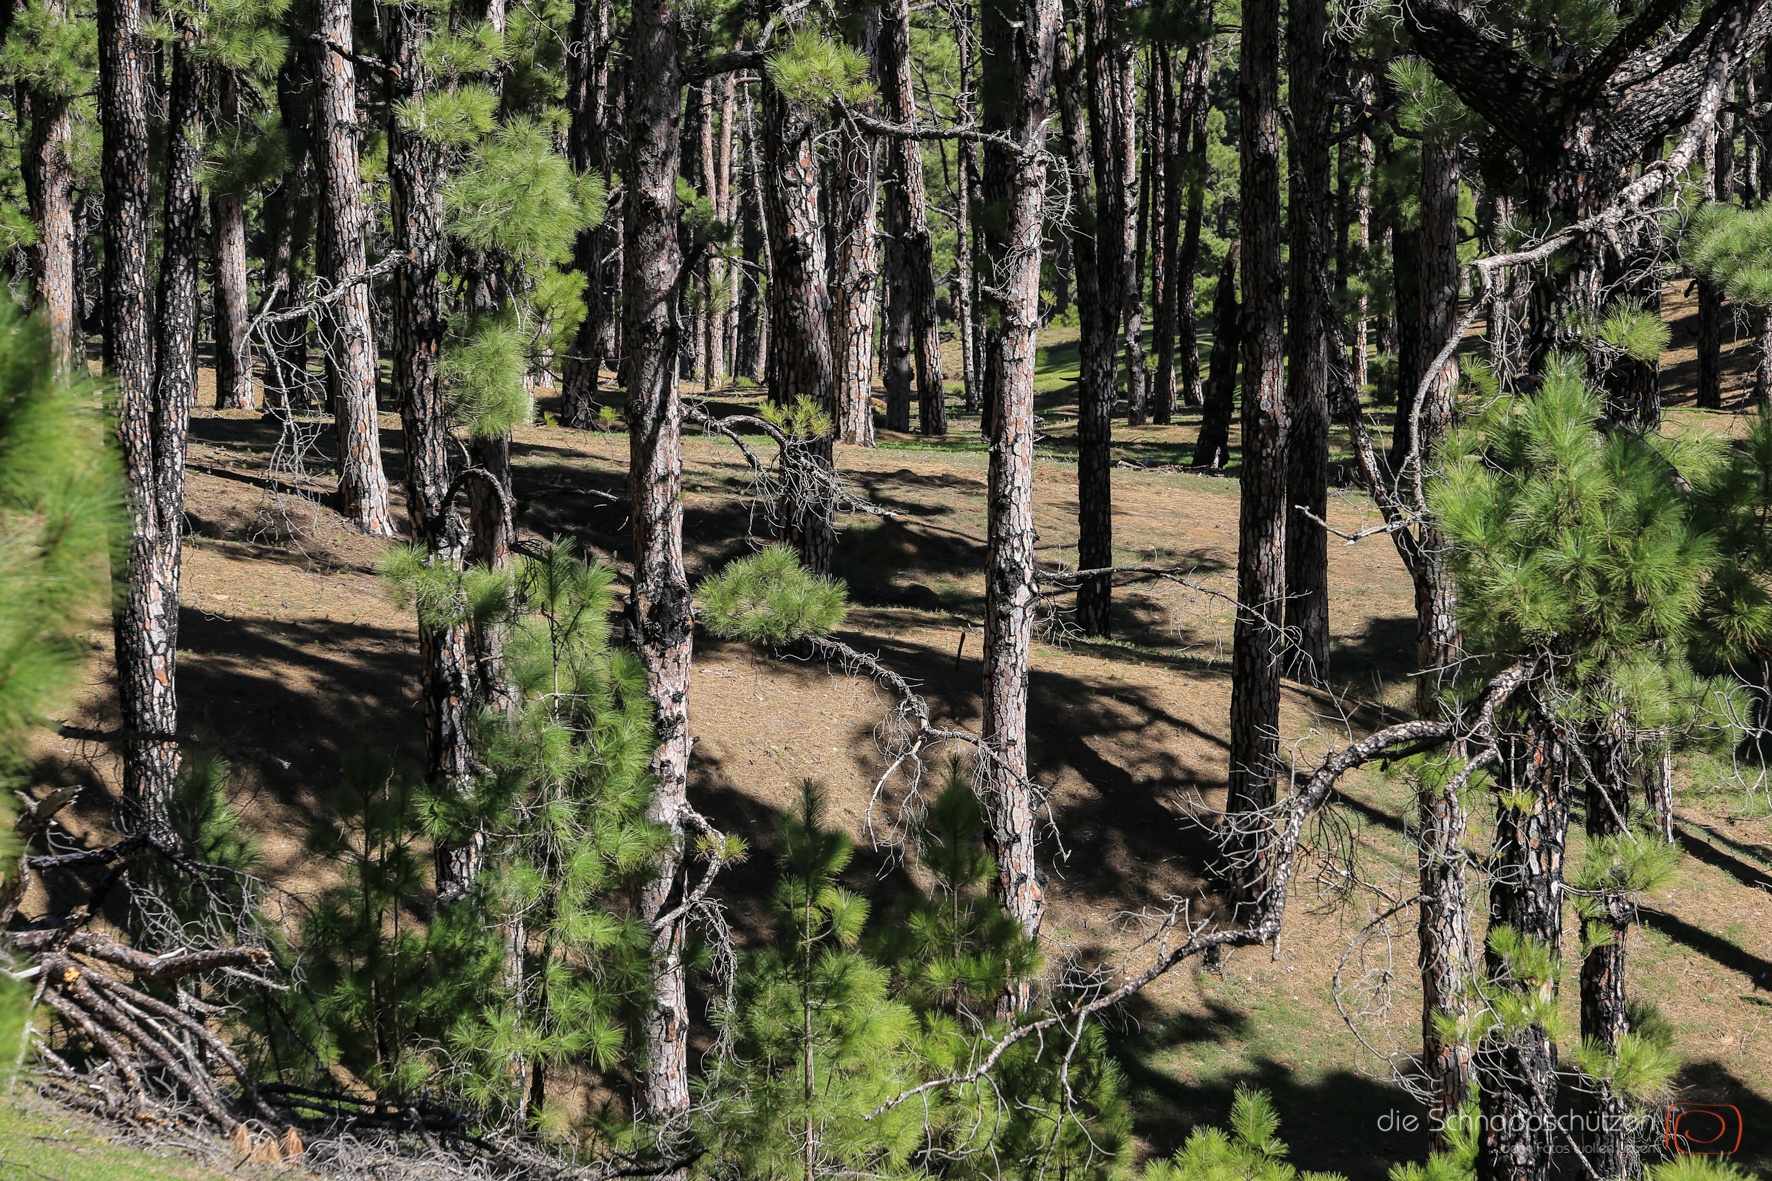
38,1141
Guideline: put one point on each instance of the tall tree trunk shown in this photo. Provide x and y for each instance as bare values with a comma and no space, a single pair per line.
1107,237
227,226
725,198
1212,448
1436,625
587,97
1137,208
752,314
1308,335
911,248
288,221
855,261
1256,643
150,435
350,357
695,103
49,187
800,363
1360,254
1517,1069
1196,73
416,209
659,605
1019,42
1406,289
1164,142
974,333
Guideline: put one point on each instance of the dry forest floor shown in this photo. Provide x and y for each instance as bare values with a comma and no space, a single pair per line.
293,659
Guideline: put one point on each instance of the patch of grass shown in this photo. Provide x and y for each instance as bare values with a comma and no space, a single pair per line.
39,1141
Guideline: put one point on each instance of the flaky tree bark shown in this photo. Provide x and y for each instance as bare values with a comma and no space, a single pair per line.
1256,643
910,251
49,188
659,605
855,261
800,362
1307,338
350,355
1106,235
1020,40
1196,72
416,211
587,97
1212,448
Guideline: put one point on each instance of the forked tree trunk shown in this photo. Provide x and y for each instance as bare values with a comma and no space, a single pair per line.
1019,40
855,260
1108,238
910,248
49,187
1307,339
1517,1069
800,363
659,605
416,210
151,437
350,356
1196,72
587,92
1256,644
1212,448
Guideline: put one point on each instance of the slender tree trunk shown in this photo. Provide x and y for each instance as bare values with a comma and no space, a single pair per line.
800,363
975,337
227,225
1256,644
288,222
350,357
720,303
150,435
1212,448
49,187
1361,254
897,373
587,91
911,249
1307,339
1019,42
1406,288
1107,238
1137,211
1166,273
1196,73
855,261
752,326
659,605
416,209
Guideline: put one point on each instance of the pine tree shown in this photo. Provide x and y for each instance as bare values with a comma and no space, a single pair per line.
59,501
